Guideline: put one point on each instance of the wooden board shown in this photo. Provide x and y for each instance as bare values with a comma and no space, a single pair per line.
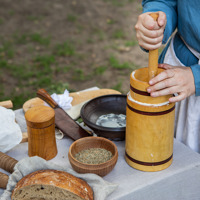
78,97
6,104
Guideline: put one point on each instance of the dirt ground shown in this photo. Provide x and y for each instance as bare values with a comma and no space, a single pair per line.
100,32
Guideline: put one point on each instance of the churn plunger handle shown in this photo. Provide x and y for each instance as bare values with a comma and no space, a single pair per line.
153,56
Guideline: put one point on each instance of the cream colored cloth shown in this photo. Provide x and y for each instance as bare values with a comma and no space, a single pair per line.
10,132
187,112
101,188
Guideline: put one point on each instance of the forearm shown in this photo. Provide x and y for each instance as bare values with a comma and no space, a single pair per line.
196,73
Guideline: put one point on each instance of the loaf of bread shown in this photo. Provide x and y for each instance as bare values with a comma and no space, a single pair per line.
51,185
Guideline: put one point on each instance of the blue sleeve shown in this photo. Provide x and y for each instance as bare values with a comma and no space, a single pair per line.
196,73
169,7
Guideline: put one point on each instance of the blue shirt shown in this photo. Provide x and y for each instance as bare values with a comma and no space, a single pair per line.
185,16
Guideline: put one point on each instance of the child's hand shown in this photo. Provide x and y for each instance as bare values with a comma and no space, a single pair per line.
149,32
178,80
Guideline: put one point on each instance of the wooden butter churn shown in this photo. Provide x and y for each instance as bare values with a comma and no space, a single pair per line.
149,122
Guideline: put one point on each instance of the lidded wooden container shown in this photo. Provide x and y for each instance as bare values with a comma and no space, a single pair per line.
149,126
41,132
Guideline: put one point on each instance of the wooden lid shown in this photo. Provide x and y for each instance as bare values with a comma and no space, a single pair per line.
40,116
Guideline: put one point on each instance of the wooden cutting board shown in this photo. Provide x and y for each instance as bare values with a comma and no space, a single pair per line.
78,97
6,104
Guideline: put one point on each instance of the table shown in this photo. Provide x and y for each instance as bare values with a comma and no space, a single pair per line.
180,181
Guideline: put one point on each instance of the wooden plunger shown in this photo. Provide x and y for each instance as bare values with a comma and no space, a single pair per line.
153,56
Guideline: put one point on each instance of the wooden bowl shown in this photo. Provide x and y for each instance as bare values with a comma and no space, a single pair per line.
93,142
106,104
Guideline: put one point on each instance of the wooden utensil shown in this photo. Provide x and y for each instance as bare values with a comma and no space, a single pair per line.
153,56
6,104
62,120
4,180
7,163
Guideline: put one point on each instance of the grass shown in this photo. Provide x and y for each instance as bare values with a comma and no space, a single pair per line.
118,34
118,86
31,37
35,18
65,49
38,38
37,75
99,33
40,70
20,38
110,21
71,18
7,50
79,75
100,70
34,59
114,62
44,62
1,21
131,43
119,3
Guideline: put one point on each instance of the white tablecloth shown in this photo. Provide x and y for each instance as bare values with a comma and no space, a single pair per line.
180,181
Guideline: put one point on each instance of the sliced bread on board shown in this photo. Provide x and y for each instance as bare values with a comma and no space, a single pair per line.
52,185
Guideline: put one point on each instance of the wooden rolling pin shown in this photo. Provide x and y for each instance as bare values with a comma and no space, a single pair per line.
153,56
7,163
6,104
4,180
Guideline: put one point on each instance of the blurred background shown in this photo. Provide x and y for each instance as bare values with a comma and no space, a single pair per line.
67,44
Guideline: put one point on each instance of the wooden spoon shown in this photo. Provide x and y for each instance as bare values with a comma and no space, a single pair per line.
153,56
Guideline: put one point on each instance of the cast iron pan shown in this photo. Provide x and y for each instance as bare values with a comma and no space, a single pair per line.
92,110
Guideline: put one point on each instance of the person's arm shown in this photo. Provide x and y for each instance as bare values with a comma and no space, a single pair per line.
169,7
196,73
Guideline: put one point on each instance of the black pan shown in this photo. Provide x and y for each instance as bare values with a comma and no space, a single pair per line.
92,110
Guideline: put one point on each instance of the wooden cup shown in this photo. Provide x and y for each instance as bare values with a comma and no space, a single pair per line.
41,132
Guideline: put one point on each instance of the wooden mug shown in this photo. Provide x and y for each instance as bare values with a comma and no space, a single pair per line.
41,132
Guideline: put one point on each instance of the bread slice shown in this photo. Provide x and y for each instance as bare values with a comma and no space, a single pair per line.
51,185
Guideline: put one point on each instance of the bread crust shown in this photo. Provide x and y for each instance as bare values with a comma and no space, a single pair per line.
58,179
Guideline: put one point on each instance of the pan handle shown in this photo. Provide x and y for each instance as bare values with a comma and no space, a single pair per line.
44,95
7,163
4,180
153,56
